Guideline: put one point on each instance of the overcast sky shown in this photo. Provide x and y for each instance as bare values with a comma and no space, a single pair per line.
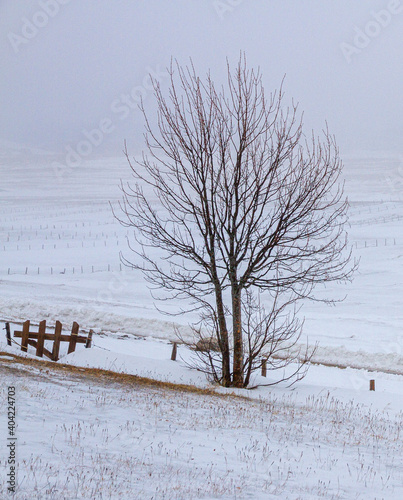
65,73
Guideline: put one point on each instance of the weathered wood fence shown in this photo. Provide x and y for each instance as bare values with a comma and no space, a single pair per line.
37,339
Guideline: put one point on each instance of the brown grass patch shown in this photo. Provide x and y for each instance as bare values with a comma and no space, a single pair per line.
106,376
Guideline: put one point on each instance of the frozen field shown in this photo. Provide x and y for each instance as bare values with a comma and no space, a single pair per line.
328,437
59,257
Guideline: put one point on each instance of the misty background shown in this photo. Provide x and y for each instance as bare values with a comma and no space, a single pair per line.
68,66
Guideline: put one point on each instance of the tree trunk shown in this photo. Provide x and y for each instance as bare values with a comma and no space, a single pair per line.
237,334
223,339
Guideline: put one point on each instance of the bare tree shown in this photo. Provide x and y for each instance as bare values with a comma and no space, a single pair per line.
269,339
245,204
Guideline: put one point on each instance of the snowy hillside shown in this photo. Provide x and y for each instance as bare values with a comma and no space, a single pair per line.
93,437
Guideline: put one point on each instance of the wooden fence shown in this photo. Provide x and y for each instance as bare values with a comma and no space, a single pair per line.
37,339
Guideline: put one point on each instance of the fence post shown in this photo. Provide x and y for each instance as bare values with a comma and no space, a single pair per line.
174,351
264,368
41,338
73,338
25,336
89,339
372,385
8,334
56,343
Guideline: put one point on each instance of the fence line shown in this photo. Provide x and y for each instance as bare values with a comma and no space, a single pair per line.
89,269
60,244
375,242
46,270
376,220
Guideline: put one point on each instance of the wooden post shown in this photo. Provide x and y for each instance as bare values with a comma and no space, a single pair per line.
372,385
89,339
264,368
174,351
56,343
8,334
41,338
25,335
73,338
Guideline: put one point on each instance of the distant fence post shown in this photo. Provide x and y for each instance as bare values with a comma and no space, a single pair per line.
264,368
174,351
372,385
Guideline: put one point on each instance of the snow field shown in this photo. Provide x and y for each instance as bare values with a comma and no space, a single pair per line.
77,274
83,437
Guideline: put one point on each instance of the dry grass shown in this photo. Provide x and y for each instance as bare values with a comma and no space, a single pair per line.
106,376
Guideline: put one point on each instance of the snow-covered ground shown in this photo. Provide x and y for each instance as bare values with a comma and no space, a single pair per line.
93,437
328,436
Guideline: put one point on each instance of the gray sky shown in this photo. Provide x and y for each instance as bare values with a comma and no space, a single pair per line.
66,72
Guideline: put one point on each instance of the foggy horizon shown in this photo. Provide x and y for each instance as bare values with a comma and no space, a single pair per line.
72,68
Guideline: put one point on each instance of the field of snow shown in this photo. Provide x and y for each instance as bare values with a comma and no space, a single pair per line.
59,257
97,437
327,437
